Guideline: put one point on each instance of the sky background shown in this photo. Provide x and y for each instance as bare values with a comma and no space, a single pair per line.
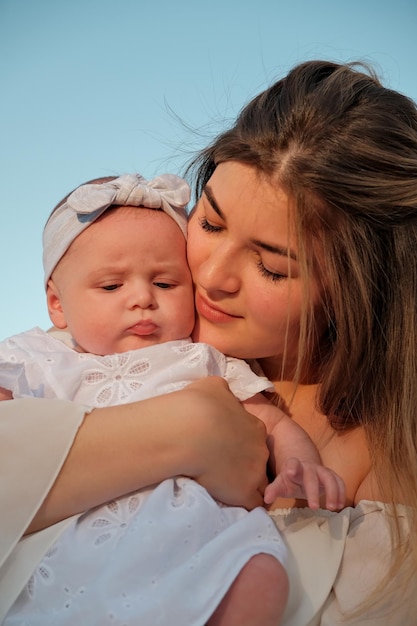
101,87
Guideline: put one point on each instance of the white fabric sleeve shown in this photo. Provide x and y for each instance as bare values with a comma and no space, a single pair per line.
35,438
335,561
243,381
366,560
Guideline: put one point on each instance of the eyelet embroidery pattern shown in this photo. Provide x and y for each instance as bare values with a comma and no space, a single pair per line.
141,548
44,572
117,378
112,519
192,349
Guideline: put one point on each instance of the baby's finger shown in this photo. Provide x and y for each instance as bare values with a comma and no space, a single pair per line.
333,487
311,484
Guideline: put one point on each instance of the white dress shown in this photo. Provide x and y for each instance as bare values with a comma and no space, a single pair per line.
159,556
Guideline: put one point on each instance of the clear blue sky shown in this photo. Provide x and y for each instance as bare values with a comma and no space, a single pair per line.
98,87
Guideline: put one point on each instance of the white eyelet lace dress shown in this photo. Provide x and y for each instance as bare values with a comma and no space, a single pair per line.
160,556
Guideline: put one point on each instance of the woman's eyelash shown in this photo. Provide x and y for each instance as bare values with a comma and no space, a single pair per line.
270,275
209,228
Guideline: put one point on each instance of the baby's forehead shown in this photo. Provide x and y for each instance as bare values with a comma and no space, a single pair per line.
134,210
153,234
150,218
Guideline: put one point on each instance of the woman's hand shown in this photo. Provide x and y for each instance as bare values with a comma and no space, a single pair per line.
201,432
226,445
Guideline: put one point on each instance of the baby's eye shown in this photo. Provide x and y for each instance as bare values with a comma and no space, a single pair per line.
163,285
111,287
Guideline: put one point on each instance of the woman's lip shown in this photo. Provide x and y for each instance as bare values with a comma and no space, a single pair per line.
212,313
143,328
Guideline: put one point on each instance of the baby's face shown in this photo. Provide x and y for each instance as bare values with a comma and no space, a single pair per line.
124,283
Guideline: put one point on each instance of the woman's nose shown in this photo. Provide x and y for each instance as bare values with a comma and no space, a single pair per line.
219,272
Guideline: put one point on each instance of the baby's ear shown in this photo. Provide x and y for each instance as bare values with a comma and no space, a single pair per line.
55,309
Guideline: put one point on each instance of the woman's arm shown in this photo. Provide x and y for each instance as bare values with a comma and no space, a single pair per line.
202,432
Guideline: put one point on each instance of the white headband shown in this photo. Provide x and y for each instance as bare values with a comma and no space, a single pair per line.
83,206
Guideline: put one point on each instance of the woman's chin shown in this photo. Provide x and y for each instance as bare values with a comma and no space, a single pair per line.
216,337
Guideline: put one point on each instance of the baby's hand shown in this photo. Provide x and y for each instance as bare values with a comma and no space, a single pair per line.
306,480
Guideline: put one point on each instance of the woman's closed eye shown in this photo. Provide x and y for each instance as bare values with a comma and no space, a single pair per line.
273,276
206,226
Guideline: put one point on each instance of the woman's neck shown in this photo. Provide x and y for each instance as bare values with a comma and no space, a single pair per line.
274,370
287,376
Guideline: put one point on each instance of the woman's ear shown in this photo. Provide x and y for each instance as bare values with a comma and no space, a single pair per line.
55,309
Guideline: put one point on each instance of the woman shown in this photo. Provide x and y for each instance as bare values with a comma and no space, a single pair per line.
310,202
301,252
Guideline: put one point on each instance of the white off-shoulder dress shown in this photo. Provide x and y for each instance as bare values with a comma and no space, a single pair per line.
159,556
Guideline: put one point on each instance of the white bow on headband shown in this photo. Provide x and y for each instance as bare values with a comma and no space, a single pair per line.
83,206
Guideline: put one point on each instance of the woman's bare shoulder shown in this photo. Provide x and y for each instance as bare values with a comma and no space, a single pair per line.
368,489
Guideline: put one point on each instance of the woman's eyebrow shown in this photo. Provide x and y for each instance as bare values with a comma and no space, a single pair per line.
210,197
287,252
